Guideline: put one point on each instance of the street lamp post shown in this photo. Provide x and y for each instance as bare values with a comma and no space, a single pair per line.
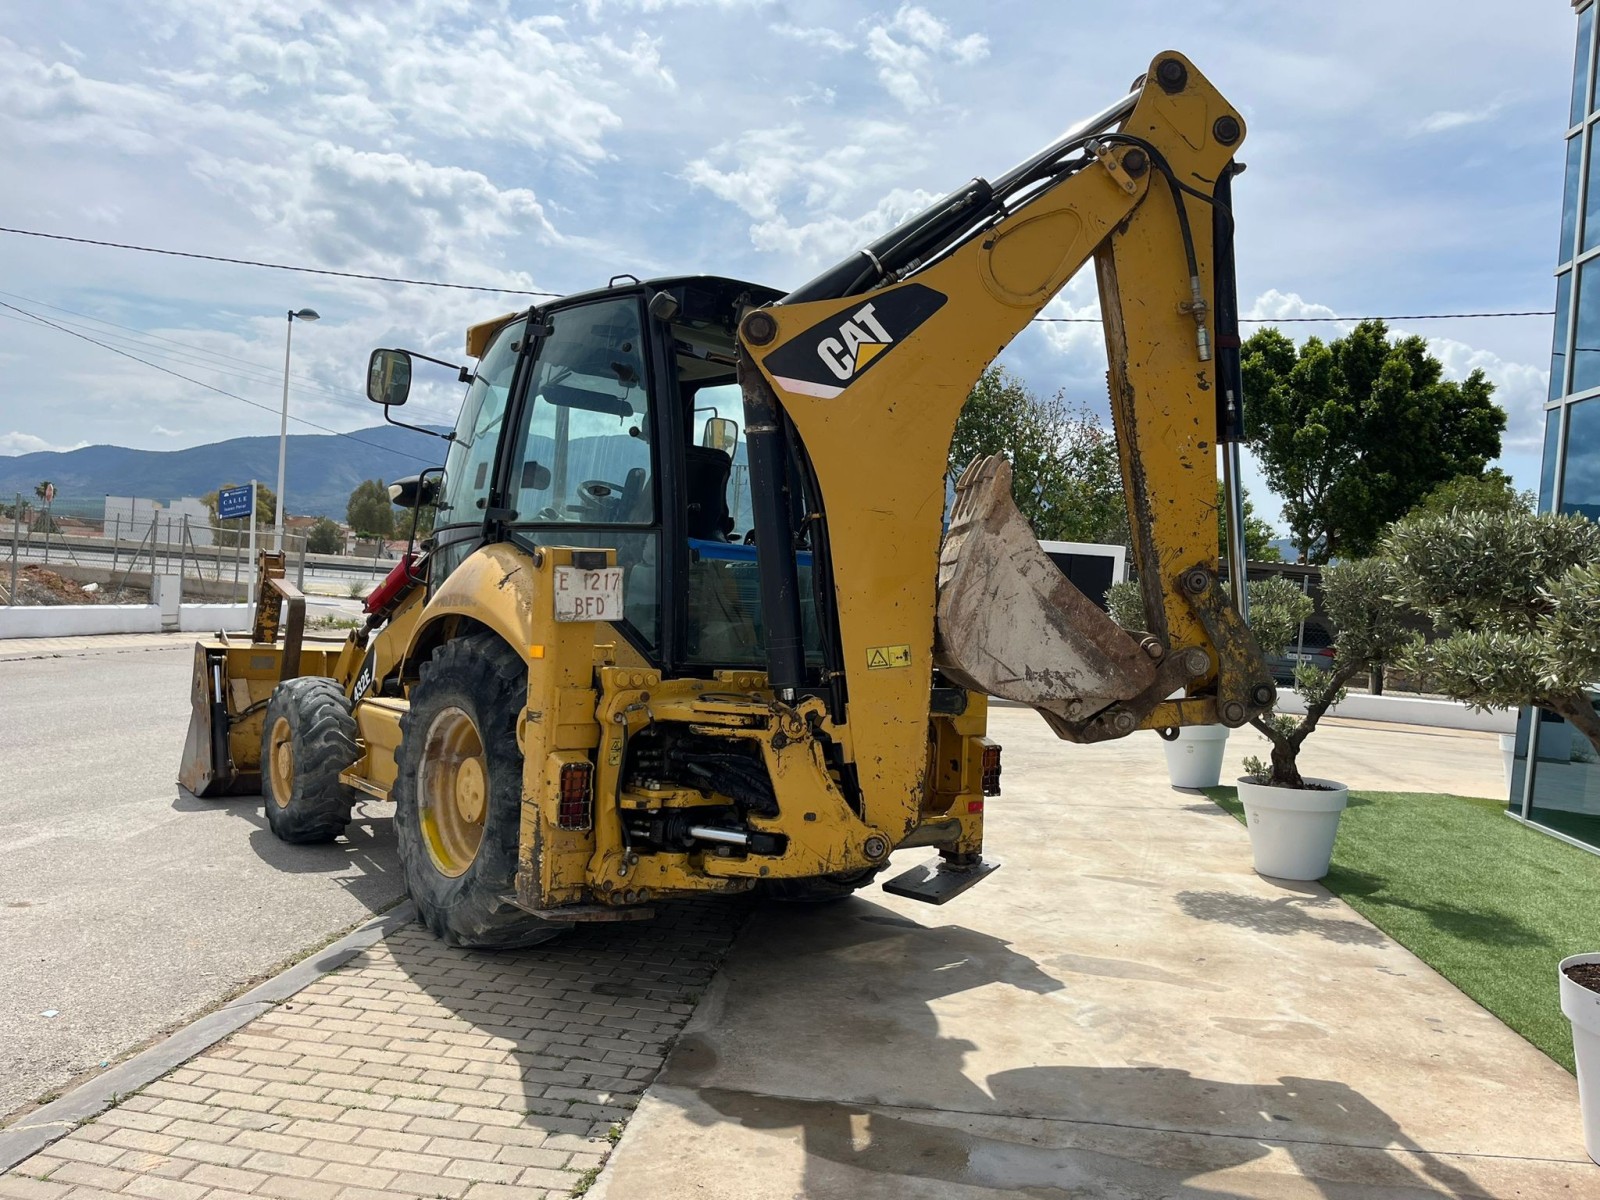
305,314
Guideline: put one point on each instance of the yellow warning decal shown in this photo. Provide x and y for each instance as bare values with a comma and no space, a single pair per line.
882,658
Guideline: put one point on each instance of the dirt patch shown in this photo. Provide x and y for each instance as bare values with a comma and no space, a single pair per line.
41,585
1585,975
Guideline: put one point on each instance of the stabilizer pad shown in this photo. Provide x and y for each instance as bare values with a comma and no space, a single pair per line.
937,882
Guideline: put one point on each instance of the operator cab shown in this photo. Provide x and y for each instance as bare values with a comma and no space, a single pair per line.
613,419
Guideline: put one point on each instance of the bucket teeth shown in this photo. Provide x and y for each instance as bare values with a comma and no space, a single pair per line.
1011,624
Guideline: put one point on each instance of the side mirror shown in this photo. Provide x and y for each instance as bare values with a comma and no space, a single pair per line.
720,434
389,377
415,491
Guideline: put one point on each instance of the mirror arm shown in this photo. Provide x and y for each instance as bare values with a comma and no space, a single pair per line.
449,437
464,374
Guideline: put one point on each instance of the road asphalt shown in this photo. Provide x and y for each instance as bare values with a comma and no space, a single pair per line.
127,905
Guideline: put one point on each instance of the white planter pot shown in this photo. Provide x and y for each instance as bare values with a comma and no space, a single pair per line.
1292,829
1508,755
1582,1008
1195,759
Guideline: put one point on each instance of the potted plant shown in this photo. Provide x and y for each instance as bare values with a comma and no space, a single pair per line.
1195,753
1579,978
1293,820
1515,597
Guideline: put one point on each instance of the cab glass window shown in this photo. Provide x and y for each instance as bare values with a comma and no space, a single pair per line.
469,467
584,453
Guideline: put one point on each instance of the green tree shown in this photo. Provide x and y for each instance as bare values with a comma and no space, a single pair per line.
1066,478
325,538
1467,493
1353,433
369,512
1371,632
1517,597
1258,533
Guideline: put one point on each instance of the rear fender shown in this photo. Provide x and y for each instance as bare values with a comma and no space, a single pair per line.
493,589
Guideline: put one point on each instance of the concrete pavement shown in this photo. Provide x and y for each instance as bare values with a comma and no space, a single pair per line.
415,1070
1124,1010
126,905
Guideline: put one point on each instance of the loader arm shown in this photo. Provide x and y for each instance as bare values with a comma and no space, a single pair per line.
867,369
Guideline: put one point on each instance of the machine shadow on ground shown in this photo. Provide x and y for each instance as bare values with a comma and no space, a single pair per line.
365,855
558,1039
888,1099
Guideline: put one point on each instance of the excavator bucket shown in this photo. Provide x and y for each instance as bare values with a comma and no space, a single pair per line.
1012,625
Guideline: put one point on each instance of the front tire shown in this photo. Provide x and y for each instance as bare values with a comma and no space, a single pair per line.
458,796
308,736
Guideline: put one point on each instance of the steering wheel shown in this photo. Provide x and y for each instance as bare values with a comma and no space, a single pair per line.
599,491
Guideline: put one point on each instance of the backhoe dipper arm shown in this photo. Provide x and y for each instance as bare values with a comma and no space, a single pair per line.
867,368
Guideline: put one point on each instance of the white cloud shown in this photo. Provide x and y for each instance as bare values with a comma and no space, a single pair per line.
1447,119
910,48
827,39
641,57
774,168
17,442
1273,305
370,209
1073,324
833,236
812,199
1519,388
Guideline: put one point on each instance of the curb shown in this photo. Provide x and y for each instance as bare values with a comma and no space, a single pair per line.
60,1117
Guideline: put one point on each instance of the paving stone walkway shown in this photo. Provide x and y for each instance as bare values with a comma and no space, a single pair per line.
415,1070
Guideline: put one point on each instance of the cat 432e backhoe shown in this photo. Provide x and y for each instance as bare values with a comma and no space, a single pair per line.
646,654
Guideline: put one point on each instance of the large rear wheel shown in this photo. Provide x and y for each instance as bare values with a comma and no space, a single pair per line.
307,737
823,889
458,795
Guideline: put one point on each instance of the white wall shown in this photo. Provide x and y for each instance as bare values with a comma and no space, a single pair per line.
199,519
76,620
1408,710
72,620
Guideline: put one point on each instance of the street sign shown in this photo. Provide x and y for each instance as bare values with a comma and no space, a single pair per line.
235,502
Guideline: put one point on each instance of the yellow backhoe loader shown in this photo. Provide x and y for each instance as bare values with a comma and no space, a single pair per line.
649,653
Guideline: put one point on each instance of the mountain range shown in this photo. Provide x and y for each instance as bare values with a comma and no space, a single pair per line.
322,471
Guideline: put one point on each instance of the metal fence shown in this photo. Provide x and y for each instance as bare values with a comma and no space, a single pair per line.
124,555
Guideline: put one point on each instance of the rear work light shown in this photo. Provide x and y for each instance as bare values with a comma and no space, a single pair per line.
576,807
991,770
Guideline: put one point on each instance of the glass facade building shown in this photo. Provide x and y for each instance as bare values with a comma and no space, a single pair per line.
1556,778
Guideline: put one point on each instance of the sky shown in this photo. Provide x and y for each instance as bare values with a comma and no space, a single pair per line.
1404,158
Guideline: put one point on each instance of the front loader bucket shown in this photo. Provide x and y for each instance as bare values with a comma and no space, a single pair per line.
208,768
1012,625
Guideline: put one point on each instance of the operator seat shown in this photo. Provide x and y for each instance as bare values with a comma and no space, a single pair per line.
706,472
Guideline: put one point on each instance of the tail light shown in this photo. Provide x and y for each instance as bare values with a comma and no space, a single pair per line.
576,807
991,770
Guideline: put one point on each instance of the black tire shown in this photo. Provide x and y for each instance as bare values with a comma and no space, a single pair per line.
822,890
309,720
484,679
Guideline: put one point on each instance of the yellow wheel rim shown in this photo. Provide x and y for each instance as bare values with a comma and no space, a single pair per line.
281,768
453,792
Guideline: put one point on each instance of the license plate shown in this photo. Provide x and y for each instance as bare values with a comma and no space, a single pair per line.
588,595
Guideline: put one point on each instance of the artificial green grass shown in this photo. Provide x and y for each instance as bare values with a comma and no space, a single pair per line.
1491,905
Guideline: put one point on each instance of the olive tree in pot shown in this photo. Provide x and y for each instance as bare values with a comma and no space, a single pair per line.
1516,597
1293,820
1194,752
